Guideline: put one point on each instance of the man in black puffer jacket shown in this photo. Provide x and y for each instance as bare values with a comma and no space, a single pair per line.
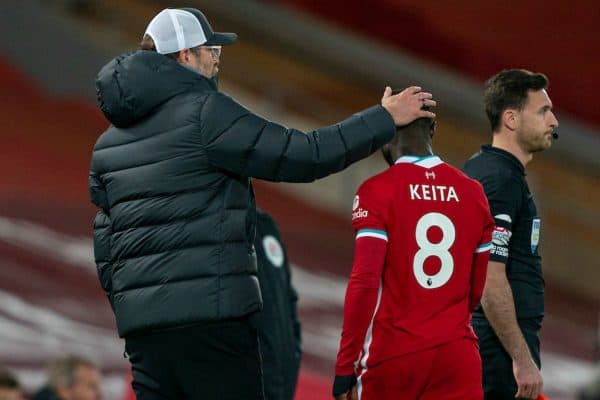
171,176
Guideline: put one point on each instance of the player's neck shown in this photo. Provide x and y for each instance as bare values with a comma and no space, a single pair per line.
503,141
422,150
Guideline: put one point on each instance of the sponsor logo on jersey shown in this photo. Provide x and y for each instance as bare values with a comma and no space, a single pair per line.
433,193
535,234
360,213
273,250
355,203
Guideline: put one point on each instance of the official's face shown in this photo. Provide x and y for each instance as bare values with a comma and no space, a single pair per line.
536,122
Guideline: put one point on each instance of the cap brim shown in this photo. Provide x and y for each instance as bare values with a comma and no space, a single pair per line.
221,39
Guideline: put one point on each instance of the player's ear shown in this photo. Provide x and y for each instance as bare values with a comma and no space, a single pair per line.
386,151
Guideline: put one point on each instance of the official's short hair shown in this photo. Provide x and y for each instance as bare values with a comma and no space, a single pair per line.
8,380
509,89
61,372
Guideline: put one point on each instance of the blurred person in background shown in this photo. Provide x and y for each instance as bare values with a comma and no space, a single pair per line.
510,317
423,232
10,389
71,378
278,324
171,176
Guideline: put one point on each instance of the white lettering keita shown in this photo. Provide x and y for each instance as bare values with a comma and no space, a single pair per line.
433,193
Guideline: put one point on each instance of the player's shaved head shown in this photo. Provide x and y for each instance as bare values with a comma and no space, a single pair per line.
411,139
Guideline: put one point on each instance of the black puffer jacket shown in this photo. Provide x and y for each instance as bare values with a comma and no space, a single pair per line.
172,175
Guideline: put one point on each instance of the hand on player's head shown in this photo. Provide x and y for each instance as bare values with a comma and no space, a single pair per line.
407,105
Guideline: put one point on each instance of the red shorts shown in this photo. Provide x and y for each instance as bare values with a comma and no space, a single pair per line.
450,371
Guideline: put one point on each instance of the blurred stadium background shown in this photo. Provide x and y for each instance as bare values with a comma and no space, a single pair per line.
305,63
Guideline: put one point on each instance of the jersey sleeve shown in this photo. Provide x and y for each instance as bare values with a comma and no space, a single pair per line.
368,212
360,304
481,256
504,197
362,293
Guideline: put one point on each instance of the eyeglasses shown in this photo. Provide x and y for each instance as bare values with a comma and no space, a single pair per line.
215,51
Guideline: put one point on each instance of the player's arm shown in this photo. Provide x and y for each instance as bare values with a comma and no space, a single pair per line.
478,274
368,220
482,252
360,304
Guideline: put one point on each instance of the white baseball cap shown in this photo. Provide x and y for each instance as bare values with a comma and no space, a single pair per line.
175,29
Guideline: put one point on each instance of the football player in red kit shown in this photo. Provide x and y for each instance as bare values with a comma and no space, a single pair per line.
423,233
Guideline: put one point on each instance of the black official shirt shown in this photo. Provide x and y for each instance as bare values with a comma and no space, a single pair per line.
516,238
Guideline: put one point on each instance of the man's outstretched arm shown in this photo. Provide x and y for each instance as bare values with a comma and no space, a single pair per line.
248,145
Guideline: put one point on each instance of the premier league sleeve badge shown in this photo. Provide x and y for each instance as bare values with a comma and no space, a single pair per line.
535,234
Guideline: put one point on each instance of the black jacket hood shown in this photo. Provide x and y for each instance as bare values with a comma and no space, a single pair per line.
131,85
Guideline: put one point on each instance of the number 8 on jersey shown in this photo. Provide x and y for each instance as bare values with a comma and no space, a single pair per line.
429,249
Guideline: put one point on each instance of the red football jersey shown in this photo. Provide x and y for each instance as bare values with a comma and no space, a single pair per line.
423,233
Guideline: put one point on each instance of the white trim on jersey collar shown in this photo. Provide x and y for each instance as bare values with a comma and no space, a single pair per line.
426,162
